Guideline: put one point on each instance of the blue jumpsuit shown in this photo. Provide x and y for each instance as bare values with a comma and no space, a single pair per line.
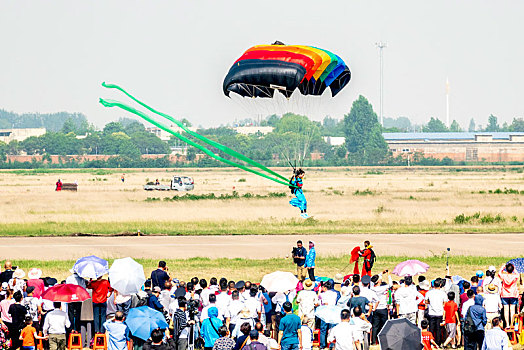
299,201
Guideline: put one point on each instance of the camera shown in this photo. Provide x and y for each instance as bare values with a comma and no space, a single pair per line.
192,308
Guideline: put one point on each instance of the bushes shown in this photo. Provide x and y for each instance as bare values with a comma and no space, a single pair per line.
212,196
477,218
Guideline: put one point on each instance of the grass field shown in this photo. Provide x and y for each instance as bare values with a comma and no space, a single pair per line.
254,270
342,200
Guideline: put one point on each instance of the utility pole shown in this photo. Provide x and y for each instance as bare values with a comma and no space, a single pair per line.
447,103
381,45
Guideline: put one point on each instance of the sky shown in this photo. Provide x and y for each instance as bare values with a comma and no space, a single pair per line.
175,54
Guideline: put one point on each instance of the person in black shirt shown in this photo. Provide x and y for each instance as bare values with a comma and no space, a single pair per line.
160,276
299,258
7,274
17,312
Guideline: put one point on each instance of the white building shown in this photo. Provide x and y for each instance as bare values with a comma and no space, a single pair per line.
8,135
335,140
164,135
250,130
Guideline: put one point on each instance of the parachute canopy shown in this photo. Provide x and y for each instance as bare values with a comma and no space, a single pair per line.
263,69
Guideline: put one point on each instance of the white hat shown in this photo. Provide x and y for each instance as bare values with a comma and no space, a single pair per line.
424,285
34,273
4,285
492,268
19,273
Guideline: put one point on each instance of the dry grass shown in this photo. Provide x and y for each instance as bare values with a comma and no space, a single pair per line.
405,199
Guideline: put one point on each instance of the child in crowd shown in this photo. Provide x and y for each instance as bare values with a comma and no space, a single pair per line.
307,335
451,320
427,337
28,335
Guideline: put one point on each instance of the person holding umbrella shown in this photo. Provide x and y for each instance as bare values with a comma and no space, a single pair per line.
75,308
101,291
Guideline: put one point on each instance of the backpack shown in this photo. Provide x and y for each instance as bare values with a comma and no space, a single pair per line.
469,325
139,299
372,259
292,186
31,309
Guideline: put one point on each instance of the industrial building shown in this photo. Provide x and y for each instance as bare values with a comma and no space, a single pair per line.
8,135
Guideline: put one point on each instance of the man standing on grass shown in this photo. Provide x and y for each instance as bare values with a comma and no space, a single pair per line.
435,299
159,277
289,334
299,258
407,300
310,261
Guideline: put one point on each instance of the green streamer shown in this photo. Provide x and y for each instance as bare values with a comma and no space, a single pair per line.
112,103
204,139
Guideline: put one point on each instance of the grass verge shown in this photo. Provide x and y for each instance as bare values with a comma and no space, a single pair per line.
254,270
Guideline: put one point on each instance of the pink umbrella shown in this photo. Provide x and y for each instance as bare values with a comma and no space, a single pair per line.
410,268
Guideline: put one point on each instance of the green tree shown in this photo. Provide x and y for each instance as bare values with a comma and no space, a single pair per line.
69,126
493,125
134,127
517,125
455,127
472,126
149,143
113,127
32,145
364,140
191,153
186,122
3,151
435,125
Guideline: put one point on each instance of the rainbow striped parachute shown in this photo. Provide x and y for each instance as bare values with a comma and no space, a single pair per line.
263,69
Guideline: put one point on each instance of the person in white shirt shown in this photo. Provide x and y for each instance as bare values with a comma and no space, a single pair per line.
345,334
233,312
362,327
435,300
55,325
327,297
211,303
259,327
280,298
492,303
407,299
307,300
471,301
380,315
207,291
307,334
253,304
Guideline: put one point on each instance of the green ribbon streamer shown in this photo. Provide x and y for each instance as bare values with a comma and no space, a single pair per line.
113,103
204,139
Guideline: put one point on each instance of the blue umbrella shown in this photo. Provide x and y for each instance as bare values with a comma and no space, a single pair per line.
518,263
143,320
91,267
329,313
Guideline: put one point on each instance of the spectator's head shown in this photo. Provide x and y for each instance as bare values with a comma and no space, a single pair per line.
253,335
28,320
408,281
147,284
195,280
328,285
424,324
510,268
375,279
357,311
8,265
234,295
156,290
222,331
190,286
245,328
212,298
345,315
182,303
299,244
311,244
30,290
287,306
451,295
57,305
203,283
470,293
496,322
162,264
247,285
356,290
355,278
119,316
223,284
421,278
231,285
156,336
366,280
474,279
305,321
17,296
213,281
466,285
253,291
168,285
259,327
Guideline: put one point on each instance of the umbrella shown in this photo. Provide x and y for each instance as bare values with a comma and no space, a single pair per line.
279,281
91,267
400,334
410,268
456,279
329,313
518,263
126,276
67,293
143,320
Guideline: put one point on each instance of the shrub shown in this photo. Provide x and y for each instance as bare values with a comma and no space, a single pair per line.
365,192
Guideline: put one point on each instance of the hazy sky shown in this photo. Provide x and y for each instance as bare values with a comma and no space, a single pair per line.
175,54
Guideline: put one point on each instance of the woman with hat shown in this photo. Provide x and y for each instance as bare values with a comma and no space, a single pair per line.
34,281
307,300
17,283
492,303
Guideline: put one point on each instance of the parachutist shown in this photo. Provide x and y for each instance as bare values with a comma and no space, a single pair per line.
299,201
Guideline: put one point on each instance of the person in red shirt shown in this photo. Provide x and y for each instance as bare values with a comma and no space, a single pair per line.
101,291
451,319
59,185
427,337
368,255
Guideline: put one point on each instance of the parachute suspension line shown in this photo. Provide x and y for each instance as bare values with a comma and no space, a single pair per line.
215,144
112,103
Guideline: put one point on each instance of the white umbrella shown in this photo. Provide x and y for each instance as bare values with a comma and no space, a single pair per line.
279,281
126,276
329,313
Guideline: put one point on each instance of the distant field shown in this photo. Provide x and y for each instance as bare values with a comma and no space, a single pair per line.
254,270
342,200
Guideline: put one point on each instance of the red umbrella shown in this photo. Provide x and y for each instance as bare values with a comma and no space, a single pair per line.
67,293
